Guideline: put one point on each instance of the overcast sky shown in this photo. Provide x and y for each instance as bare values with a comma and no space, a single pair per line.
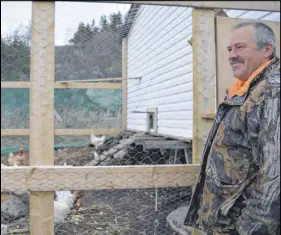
68,16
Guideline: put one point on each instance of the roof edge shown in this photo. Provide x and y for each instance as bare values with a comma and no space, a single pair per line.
130,19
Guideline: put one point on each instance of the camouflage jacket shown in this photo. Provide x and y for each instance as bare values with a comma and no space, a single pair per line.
238,187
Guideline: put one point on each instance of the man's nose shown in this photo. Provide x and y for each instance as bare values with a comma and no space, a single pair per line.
232,54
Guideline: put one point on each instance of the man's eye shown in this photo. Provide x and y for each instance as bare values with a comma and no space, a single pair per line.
240,47
229,49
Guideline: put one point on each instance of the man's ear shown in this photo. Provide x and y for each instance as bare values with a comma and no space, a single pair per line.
268,50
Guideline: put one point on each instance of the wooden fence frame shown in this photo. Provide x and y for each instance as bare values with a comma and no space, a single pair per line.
41,178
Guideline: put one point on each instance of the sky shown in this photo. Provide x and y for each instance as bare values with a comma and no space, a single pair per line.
67,16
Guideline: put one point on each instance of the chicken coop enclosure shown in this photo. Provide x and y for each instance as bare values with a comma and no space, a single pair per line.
114,100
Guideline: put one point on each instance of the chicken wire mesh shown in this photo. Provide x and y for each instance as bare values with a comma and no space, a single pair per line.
15,66
110,211
85,50
120,212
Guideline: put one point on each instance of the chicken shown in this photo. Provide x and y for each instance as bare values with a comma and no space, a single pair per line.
18,159
78,199
96,155
4,229
62,205
96,141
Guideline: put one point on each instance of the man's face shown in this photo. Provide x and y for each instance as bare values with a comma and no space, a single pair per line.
244,57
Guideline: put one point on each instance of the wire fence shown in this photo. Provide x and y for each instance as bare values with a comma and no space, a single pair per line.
88,47
118,211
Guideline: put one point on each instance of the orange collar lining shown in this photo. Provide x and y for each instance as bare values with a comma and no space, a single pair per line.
240,88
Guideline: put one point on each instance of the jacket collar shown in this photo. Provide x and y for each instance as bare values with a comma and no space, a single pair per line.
239,100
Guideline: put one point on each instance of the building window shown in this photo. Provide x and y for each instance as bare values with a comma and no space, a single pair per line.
151,120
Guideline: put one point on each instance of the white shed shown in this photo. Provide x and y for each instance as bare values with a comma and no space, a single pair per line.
159,67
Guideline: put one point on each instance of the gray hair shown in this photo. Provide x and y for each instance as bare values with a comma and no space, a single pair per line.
263,35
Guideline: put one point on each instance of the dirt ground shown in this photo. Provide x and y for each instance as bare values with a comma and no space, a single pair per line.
112,212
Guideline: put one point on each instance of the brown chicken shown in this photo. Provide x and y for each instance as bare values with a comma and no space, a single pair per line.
78,199
18,159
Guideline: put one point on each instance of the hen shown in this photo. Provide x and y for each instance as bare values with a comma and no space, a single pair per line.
18,159
62,205
78,199
96,141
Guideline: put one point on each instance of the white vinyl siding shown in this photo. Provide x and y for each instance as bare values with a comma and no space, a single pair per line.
158,51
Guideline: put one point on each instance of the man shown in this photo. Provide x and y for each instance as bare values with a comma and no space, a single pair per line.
238,188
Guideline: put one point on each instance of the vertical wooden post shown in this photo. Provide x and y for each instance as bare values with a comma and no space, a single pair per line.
124,84
204,77
42,111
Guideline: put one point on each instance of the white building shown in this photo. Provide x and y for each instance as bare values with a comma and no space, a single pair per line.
159,53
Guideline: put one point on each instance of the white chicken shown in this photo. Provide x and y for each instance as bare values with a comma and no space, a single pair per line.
62,205
96,155
4,229
96,141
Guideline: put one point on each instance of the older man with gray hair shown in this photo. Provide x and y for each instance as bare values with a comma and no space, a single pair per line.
238,188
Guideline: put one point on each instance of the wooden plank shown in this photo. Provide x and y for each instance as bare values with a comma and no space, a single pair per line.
218,12
68,85
87,131
91,80
124,84
143,138
223,32
165,144
25,132
15,84
237,5
204,77
163,135
140,140
88,85
53,178
42,77
14,132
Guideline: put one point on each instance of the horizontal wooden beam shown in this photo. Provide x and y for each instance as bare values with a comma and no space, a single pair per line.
92,80
237,5
164,135
88,85
57,178
165,144
14,132
87,131
25,132
15,84
68,85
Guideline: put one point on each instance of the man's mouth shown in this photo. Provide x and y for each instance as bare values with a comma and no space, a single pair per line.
236,64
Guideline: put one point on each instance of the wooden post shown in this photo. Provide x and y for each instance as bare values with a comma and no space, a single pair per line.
42,111
204,77
124,84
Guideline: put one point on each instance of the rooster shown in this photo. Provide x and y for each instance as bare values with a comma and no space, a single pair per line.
18,159
96,141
